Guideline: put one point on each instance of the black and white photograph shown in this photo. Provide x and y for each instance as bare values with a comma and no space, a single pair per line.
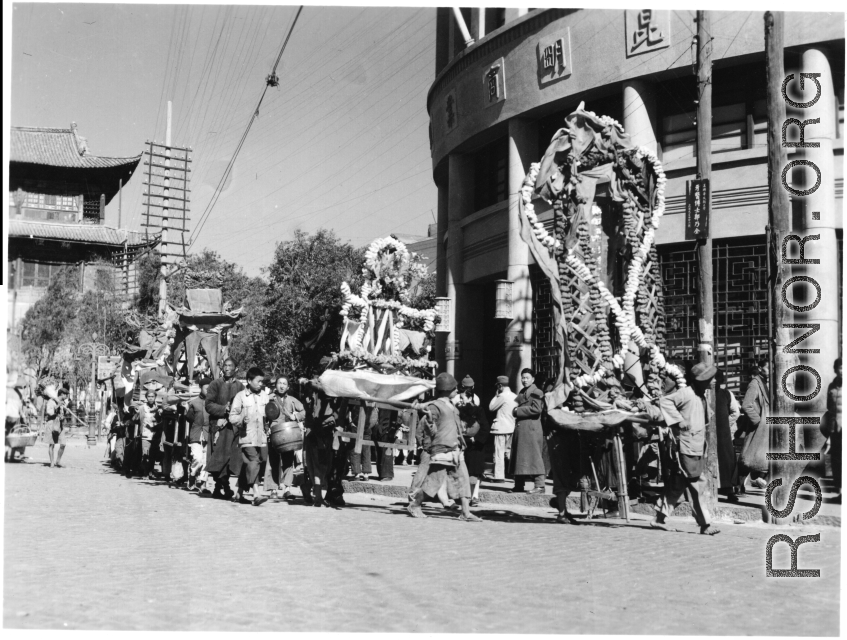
416,319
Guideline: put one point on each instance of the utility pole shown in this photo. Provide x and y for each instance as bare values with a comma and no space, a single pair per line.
163,269
704,246
779,221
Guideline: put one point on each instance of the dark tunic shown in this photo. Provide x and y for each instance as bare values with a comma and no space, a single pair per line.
528,440
477,431
226,454
726,450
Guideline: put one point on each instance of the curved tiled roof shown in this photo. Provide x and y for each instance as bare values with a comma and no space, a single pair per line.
59,148
89,233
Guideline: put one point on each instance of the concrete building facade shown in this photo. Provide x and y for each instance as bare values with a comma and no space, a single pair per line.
497,101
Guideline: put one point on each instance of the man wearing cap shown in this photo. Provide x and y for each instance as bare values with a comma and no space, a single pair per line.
225,459
685,412
198,435
504,403
442,423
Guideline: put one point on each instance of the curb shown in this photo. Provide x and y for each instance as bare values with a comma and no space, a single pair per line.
547,501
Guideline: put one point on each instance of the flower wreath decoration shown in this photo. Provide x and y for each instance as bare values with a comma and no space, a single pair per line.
645,224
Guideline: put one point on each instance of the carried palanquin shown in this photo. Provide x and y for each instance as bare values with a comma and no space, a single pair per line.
602,264
383,357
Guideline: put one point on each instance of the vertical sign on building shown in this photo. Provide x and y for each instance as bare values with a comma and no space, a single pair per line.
697,208
494,83
554,57
450,111
647,30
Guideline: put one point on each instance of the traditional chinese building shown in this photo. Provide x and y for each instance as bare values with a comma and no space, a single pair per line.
59,192
506,79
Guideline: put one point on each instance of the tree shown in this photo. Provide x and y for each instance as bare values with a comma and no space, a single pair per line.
43,326
302,298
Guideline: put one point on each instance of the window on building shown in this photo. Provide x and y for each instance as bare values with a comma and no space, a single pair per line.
491,174
38,274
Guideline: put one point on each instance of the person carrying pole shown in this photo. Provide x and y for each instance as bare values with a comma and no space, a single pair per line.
442,423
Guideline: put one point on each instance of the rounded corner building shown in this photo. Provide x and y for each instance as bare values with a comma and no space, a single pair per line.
505,81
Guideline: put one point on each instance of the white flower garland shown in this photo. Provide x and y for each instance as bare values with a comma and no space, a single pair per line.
358,307
625,311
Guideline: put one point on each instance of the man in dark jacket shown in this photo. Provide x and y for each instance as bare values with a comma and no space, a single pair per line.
476,432
198,434
223,463
527,460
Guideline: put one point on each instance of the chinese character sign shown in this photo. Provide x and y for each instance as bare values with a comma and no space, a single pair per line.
697,209
647,30
451,111
494,83
554,57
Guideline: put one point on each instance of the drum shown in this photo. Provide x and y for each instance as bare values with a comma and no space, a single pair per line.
286,436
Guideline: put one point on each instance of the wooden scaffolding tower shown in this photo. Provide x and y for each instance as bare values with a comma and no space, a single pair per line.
167,196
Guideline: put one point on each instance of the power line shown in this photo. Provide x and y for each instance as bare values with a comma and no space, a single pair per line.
271,81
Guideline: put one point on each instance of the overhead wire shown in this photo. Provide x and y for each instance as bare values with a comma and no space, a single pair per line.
210,207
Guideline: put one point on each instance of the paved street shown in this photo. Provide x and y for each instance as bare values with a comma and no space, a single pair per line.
86,548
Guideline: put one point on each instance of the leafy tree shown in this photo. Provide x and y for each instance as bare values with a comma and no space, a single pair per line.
43,326
302,299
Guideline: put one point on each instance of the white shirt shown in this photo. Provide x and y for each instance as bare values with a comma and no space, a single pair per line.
503,404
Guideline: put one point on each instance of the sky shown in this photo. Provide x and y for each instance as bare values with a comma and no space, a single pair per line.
342,143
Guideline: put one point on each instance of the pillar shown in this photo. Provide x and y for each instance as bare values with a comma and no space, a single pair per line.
441,338
639,113
523,150
460,191
514,14
821,202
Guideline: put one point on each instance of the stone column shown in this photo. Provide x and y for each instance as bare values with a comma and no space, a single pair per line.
639,113
514,14
819,217
441,271
523,150
460,193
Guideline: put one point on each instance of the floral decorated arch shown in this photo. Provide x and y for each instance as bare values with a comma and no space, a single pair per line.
602,334
382,332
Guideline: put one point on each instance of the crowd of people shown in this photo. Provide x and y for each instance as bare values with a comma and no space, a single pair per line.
218,442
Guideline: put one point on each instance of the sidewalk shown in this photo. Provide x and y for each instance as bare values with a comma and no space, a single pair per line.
749,508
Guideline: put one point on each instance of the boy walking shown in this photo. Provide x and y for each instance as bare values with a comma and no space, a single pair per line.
248,416
282,464
442,423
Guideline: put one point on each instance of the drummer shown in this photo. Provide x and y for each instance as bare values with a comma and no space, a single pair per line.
289,409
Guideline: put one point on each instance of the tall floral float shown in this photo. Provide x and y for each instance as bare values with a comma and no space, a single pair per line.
603,271
384,354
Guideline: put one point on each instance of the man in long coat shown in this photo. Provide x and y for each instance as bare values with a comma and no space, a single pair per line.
225,459
527,460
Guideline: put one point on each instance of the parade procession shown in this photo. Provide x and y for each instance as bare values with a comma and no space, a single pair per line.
620,336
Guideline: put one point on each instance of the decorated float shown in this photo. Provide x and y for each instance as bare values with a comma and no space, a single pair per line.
383,357
604,276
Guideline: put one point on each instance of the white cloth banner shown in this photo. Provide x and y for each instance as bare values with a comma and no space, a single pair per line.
358,384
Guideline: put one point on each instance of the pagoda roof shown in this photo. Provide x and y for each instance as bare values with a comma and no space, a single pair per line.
87,233
59,148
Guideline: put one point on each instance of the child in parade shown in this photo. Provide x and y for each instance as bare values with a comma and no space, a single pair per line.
443,424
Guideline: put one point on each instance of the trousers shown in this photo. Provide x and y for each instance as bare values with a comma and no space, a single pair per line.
502,451
282,468
198,460
674,492
538,481
253,465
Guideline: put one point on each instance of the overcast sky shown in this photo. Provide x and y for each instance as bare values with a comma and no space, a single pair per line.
341,143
